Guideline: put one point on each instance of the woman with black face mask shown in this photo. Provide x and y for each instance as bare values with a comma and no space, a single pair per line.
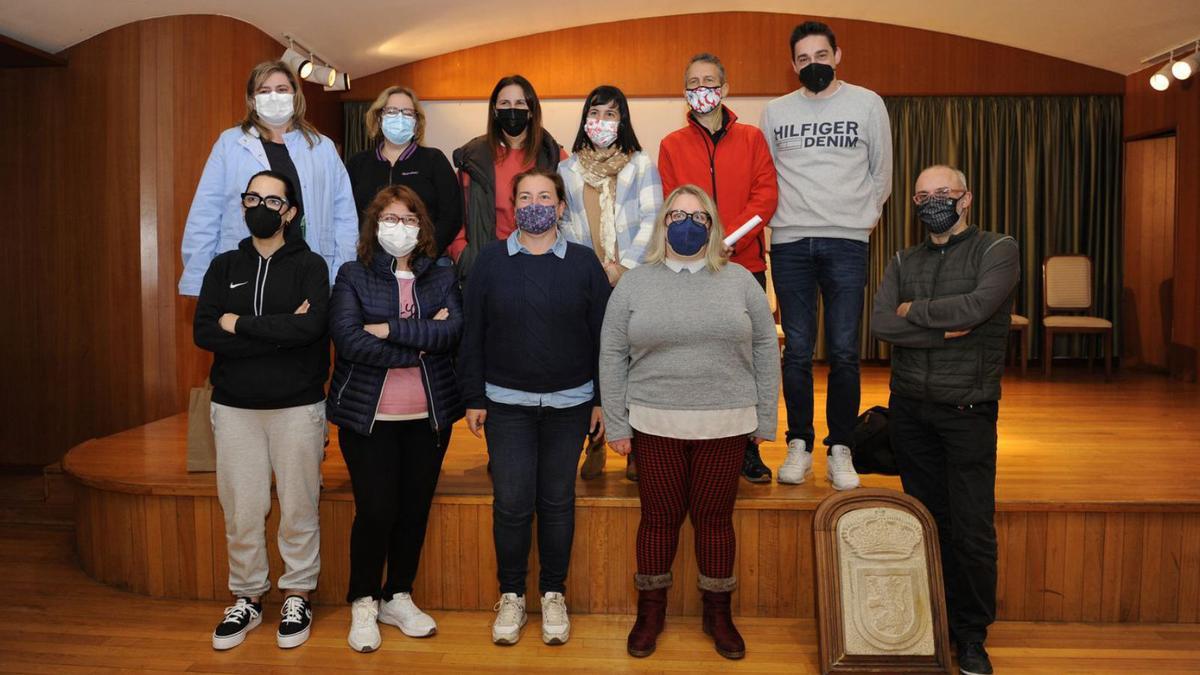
515,142
262,313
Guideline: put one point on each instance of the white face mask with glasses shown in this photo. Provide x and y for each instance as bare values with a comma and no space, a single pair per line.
398,236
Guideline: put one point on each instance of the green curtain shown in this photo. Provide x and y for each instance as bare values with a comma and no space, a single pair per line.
354,131
1044,169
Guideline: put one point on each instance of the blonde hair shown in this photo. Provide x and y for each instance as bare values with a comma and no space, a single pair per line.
259,75
374,114
714,255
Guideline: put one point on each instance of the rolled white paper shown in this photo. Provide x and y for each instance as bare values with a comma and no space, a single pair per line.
741,231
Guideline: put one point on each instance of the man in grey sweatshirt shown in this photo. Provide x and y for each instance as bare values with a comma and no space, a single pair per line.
832,146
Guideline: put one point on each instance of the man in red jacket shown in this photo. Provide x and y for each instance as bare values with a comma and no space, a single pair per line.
732,163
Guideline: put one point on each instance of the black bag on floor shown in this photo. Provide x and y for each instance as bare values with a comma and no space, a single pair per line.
872,445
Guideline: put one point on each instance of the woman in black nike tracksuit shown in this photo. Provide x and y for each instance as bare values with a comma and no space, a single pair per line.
262,312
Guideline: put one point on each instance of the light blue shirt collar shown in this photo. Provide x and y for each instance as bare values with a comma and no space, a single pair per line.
515,246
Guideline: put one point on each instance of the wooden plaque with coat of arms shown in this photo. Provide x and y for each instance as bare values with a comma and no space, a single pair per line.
880,601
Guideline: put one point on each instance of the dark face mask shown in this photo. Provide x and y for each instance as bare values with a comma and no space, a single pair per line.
687,236
816,77
939,215
263,222
512,120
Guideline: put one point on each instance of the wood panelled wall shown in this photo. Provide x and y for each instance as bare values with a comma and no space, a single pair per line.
1147,113
97,170
1149,252
646,57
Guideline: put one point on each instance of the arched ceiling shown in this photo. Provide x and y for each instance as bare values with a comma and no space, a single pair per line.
366,36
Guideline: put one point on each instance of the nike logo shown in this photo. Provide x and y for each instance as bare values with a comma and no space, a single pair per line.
233,286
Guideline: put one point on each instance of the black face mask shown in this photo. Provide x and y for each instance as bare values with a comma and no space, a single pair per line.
512,120
816,77
263,222
939,215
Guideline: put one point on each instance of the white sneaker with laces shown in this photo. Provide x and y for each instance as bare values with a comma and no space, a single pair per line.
840,470
404,614
510,618
364,629
556,625
798,464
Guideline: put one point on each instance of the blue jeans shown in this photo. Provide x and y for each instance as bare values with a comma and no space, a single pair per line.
534,453
838,269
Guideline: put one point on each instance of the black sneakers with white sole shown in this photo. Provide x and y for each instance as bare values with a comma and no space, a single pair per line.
294,623
241,618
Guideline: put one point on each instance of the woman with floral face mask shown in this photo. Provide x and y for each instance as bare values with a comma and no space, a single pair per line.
395,319
527,365
396,125
613,194
274,135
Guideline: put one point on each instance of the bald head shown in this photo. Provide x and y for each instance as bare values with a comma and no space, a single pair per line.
941,176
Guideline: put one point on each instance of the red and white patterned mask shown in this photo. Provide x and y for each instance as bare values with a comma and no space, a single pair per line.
704,100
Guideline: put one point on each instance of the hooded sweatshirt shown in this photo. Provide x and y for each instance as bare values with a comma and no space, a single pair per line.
275,358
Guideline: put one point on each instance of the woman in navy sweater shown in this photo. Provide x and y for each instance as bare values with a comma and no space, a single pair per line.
534,308
395,318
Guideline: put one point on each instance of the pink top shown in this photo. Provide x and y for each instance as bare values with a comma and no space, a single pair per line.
403,396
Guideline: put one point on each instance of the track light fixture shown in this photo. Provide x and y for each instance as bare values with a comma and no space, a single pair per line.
1173,69
309,67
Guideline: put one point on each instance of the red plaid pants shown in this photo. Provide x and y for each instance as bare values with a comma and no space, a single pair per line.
678,478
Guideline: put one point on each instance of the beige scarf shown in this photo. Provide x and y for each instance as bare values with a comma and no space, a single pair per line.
600,169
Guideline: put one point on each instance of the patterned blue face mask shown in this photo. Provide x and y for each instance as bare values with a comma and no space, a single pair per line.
687,236
537,218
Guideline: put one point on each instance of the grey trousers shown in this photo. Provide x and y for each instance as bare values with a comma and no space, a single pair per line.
251,446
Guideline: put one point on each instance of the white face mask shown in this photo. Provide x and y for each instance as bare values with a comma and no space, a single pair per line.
398,240
274,108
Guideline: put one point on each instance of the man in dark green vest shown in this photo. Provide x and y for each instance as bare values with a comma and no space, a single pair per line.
945,306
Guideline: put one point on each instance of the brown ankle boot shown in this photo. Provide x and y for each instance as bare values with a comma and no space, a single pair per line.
718,622
595,457
651,616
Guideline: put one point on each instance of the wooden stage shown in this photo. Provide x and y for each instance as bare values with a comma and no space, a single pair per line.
1098,498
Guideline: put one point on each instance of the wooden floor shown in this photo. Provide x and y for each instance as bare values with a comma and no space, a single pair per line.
1072,441
1098,515
57,620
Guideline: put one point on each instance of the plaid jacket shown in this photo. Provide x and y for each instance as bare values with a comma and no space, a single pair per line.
639,196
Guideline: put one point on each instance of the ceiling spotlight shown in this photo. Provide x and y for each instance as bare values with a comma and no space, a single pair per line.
342,83
1183,68
323,75
1160,80
300,63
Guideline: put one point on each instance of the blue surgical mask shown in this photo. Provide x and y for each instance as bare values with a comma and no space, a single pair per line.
398,128
687,236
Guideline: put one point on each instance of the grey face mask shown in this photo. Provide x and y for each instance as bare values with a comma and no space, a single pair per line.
939,214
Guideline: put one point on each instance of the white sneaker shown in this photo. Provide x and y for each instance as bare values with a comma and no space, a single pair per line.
556,625
510,619
798,464
840,470
364,629
402,613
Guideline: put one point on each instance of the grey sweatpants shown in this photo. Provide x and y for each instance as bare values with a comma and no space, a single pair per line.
251,445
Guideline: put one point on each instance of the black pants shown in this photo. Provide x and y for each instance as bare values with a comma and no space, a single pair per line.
947,460
394,473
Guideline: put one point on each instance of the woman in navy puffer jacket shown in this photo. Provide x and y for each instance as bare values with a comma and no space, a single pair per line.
396,319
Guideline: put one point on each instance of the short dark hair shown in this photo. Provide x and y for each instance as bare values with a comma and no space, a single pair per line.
289,190
627,141
368,229
812,28
554,177
533,141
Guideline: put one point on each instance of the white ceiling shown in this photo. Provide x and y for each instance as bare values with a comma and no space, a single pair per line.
366,36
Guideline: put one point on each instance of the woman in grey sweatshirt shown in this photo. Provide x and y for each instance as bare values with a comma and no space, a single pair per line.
689,368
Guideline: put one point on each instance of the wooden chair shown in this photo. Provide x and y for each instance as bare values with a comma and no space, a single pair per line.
1020,326
1067,287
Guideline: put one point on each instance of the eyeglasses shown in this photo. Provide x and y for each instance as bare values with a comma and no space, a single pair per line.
392,221
940,193
410,113
701,217
253,199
